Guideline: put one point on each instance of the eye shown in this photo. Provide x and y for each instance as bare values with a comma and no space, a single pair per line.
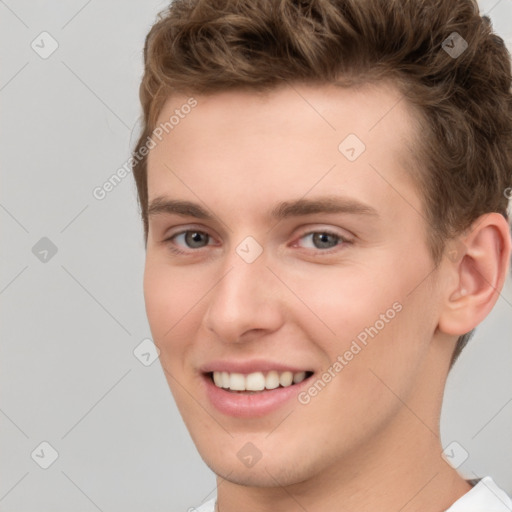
190,239
322,240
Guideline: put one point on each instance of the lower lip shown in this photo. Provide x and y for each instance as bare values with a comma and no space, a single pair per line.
243,405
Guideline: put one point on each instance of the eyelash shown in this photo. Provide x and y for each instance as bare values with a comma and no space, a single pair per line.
341,241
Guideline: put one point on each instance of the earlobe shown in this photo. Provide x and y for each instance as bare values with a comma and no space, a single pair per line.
479,272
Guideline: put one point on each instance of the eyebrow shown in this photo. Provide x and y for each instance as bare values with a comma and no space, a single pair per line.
328,204
283,210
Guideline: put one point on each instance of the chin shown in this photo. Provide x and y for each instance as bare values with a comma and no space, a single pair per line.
275,468
263,474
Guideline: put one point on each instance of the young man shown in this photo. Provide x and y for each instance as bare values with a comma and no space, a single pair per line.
324,190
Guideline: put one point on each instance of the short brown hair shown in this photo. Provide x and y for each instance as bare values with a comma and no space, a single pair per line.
464,100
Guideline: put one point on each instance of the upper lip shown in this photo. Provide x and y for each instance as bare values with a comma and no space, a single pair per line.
249,366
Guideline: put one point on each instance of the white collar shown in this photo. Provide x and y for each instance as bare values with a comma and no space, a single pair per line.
485,496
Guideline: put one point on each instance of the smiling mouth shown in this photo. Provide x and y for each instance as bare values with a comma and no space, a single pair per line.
257,382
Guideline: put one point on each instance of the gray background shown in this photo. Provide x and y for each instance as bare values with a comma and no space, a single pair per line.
70,324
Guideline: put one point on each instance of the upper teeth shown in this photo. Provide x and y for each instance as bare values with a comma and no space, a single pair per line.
256,381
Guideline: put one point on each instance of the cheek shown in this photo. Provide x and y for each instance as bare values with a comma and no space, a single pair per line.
345,300
381,334
376,311
171,298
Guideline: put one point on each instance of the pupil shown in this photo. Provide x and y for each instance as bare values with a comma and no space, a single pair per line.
194,239
324,240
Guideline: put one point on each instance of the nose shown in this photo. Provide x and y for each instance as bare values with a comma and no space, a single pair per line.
245,302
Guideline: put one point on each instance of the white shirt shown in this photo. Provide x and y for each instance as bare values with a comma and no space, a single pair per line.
485,496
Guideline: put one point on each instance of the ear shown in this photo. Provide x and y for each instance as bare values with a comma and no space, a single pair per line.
477,266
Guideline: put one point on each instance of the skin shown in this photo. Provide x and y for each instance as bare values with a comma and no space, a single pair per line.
376,424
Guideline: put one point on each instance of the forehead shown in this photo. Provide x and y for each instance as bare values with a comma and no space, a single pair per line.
294,140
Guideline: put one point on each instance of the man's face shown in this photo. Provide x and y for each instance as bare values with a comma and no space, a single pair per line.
263,285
